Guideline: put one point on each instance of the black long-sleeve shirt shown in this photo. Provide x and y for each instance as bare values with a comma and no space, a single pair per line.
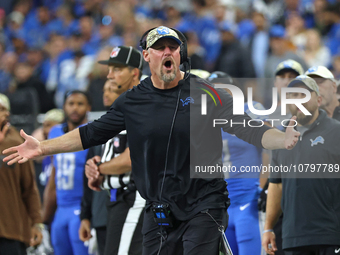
147,114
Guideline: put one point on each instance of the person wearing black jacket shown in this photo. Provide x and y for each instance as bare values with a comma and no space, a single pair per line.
159,115
310,199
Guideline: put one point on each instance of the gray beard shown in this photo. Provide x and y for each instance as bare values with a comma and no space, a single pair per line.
168,77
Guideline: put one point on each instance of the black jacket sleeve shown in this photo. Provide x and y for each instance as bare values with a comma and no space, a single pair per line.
239,124
106,127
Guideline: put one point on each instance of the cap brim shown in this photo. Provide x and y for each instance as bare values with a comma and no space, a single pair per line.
103,62
111,62
168,36
286,70
322,76
295,82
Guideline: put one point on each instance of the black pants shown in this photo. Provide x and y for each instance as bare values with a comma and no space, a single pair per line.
314,250
124,224
12,247
101,238
198,236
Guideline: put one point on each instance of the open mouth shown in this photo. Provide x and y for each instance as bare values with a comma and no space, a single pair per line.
168,64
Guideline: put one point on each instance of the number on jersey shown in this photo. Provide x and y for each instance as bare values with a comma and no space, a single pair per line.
65,170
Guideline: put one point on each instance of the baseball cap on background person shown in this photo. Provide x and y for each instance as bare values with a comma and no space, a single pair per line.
219,76
161,32
55,115
277,31
200,73
289,65
307,81
322,72
4,101
124,55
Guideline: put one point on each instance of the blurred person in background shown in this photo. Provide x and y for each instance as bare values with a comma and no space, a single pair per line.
23,74
195,51
280,51
272,9
51,118
35,57
64,190
75,65
7,62
336,67
98,79
233,59
50,70
331,17
328,88
296,30
315,53
259,43
20,208
68,22
40,27
285,72
89,33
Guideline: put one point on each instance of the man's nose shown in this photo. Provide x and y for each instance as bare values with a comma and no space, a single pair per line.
167,50
111,75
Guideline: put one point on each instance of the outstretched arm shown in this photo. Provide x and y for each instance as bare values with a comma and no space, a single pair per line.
274,139
32,148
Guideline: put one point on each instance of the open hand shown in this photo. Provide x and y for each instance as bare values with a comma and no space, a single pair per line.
22,153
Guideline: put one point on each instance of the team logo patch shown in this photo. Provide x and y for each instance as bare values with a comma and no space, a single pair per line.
163,31
188,100
116,142
312,69
114,52
317,140
288,64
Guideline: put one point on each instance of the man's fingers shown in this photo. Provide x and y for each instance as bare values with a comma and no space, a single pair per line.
9,157
23,160
96,159
23,134
10,150
15,160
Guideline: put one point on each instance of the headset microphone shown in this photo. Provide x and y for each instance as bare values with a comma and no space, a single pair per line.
119,87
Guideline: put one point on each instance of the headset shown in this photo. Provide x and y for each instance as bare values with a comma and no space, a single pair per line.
185,60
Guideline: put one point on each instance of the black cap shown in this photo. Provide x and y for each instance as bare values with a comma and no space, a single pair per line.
123,55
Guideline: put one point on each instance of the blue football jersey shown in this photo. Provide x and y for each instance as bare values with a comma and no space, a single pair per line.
69,173
242,186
